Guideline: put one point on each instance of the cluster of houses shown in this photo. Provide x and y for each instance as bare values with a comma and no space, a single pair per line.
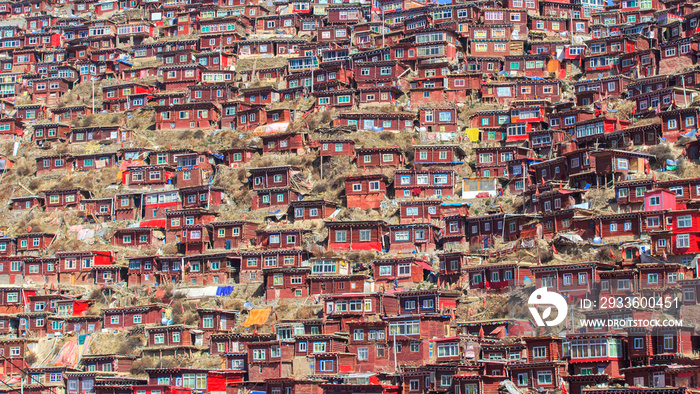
538,87
374,341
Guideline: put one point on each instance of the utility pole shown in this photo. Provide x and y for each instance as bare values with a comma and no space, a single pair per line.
571,25
524,186
396,363
685,98
312,72
383,26
93,94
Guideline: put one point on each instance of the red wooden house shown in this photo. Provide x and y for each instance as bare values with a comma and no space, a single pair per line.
97,209
107,363
366,191
677,53
418,237
155,204
147,176
254,261
203,115
377,121
543,367
356,235
99,133
11,128
47,133
33,242
235,157
135,237
50,90
337,148
30,112
311,209
419,211
399,271
333,276
438,117
115,98
178,220
283,238
440,156
45,164
8,246
286,282
179,76
286,142
529,65
124,318
382,157
678,122
424,183
94,161
232,234
16,350
575,280
494,277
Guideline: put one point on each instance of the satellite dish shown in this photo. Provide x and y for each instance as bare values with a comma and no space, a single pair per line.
248,305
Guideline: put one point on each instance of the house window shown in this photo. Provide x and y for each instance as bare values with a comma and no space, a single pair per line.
341,236
448,350
684,221
544,377
446,380
689,294
539,352
652,278
623,284
259,354
668,342
522,379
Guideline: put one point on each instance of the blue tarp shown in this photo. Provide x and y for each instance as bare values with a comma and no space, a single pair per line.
223,291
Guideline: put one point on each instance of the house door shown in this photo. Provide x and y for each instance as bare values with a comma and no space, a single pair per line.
659,380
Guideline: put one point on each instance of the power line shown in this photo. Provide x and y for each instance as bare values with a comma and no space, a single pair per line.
27,374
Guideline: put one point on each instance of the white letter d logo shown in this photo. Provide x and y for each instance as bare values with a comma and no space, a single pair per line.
549,299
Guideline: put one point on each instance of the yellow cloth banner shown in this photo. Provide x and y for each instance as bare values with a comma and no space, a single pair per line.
472,134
